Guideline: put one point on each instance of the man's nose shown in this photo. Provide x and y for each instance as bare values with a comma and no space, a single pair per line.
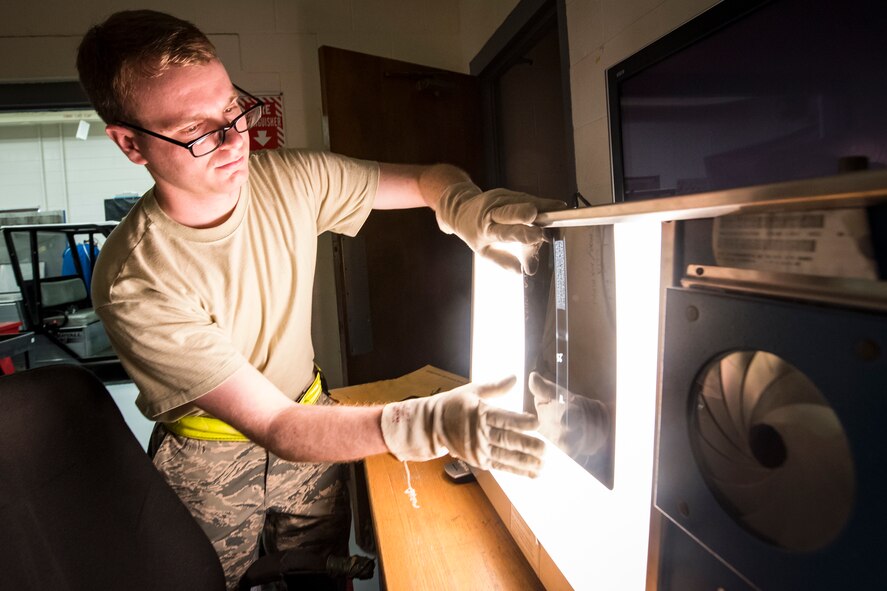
233,139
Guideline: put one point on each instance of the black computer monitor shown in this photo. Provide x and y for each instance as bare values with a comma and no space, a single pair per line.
750,93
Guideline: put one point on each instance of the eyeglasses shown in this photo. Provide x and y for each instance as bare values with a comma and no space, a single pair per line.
210,141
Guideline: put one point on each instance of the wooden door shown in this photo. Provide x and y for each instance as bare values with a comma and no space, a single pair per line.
404,286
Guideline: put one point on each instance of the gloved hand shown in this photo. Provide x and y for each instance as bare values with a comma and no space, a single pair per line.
588,427
461,422
485,220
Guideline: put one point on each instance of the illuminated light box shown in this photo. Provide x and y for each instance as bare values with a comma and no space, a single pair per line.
581,522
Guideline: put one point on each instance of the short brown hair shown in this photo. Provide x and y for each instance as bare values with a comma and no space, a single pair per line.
132,45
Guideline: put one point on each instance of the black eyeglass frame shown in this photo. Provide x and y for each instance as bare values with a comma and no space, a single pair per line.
224,129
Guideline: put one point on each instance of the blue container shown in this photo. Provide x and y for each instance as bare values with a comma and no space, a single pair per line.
68,267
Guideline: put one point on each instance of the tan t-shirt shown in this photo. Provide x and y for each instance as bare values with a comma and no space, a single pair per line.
184,307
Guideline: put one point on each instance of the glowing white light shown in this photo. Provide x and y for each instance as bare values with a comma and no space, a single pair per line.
597,537
497,328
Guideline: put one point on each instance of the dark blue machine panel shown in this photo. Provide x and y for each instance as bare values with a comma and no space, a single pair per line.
772,438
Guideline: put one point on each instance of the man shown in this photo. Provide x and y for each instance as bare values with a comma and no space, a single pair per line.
205,292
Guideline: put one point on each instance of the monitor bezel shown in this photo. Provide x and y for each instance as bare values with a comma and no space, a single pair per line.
697,29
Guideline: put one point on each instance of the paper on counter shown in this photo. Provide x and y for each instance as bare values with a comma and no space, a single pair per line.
422,382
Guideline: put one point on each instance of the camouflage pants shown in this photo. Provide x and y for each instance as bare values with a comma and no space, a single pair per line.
241,495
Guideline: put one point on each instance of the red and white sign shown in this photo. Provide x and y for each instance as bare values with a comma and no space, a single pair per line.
268,132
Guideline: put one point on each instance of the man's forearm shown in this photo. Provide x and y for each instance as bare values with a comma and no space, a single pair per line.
326,433
403,186
250,403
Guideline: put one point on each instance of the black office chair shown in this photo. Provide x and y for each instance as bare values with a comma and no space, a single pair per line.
82,506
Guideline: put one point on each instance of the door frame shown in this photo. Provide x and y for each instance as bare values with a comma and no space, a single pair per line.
520,31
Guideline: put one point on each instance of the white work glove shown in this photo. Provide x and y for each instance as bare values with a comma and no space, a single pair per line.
461,422
486,220
578,425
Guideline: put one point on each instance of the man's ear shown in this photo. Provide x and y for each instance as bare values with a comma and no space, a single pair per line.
125,139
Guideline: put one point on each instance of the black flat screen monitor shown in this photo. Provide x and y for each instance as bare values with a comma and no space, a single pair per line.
750,93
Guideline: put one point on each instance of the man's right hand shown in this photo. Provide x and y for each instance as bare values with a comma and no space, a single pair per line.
462,422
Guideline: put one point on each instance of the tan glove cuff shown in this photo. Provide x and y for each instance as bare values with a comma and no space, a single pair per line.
450,200
407,430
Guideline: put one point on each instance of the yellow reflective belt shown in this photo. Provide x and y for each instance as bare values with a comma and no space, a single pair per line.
212,429
205,428
312,394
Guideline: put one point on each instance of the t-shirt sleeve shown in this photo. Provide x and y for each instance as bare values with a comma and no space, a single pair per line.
152,343
341,189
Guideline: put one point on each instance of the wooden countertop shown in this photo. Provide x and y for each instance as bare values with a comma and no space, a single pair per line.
454,540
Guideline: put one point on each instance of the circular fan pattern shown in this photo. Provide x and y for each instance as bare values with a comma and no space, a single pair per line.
772,450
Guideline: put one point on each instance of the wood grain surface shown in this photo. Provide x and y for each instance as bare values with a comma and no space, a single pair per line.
454,540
